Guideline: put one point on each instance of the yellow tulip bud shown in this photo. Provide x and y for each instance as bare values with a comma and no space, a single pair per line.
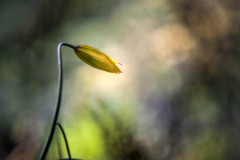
96,59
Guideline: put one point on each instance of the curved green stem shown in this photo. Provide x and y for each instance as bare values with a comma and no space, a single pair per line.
65,139
58,102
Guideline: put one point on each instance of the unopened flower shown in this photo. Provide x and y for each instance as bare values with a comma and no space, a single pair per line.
96,59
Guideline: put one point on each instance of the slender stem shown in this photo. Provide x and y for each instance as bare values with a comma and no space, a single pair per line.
65,139
59,148
58,102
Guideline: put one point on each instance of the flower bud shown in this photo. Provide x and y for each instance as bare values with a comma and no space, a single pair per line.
96,59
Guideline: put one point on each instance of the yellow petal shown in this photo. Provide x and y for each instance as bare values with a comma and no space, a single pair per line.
96,59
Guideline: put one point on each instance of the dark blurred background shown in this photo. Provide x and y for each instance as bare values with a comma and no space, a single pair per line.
178,96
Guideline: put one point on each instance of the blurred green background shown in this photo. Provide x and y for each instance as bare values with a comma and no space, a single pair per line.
178,96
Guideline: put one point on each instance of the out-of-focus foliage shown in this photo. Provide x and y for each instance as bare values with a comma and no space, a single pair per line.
177,98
